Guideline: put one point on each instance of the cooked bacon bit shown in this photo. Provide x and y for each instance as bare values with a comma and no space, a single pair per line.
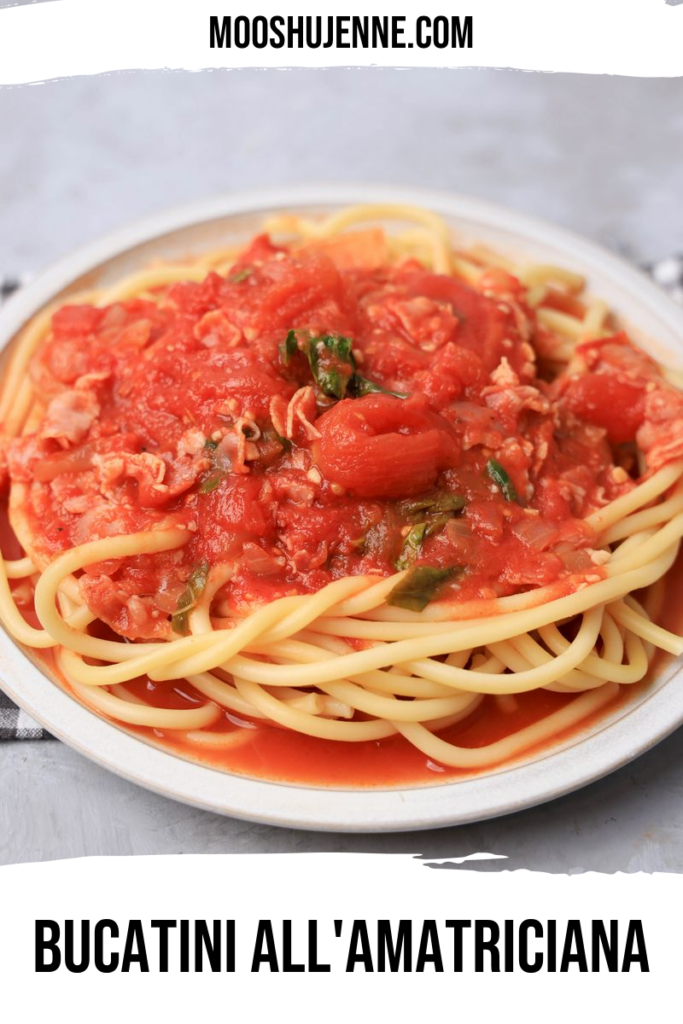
147,469
302,410
277,411
304,560
131,615
215,328
91,381
511,401
182,473
293,485
237,448
191,442
661,435
136,334
504,376
69,417
258,561
77,504
427,323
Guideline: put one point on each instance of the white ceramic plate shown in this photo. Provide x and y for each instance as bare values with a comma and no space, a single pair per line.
656,322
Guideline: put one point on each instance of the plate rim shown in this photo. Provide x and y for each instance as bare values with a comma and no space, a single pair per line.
395,809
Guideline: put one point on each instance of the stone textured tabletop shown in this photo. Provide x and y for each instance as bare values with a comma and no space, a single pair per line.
600,155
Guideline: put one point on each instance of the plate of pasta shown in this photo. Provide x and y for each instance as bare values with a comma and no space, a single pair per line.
344,508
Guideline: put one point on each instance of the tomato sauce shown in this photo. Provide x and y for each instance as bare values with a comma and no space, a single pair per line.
305,423
307,418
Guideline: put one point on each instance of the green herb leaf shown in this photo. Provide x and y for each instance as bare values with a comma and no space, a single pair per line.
284,441
330,357
434,503
288,348
188,599
210,444
420,586
436,523
359,386
411,546
501,479
212,481
332,364
241,275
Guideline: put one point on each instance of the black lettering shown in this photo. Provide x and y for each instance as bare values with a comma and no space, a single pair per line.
608,947
219,31
461,32
343,31
490,945
573,937
422,35
440,32
297,30
184,946
530,966
314,32
458,928
360,31
69,947
287,964
430,948
397,31
43,944
163,927
102,965
230,947
392,951
277,39
259,32
264,935
635,951
509,947
134,951
551,961
380,31
207,944
242,32
313,965
359,936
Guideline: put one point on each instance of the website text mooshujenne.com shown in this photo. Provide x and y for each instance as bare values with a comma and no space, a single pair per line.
342,32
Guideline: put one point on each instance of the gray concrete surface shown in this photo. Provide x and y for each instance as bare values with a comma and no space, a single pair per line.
79,157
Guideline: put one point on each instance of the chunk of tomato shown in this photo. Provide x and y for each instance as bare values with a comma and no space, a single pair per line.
609,402
384,447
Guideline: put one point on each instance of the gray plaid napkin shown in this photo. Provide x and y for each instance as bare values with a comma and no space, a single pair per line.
15,724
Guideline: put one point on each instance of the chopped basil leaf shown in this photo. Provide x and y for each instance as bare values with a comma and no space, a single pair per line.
188,599
411,546
332,363
501,479
330,357
436,523
284,441
212,481
241,275
420,586
359,386
210,444
434,503
288,348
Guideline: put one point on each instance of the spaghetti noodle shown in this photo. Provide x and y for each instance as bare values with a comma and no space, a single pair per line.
353,485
